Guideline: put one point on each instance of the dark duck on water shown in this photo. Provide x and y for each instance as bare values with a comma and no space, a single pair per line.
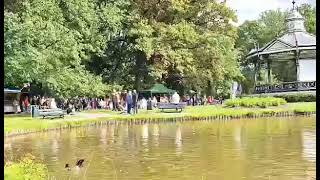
79,164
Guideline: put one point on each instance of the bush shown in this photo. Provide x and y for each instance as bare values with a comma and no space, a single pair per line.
26,169
290,97
301,97
262,102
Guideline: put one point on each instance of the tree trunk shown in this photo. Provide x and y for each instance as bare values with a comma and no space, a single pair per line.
140,69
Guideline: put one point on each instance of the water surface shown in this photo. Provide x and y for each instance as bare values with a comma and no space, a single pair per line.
270,149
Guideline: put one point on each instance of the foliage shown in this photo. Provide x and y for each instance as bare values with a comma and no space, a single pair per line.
46,43
76,47
255,102
301,97
309,13
184,44
26,169
291,97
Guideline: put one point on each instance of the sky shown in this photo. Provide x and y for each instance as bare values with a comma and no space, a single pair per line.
250,9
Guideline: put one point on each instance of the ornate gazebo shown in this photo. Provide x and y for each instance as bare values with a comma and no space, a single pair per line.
288,63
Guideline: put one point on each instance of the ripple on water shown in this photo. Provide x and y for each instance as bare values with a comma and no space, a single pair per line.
242,149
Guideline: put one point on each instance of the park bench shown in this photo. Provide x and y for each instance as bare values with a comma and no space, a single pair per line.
51,113
177,107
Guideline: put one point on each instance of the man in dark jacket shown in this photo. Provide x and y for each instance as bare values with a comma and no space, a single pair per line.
129,102
134,102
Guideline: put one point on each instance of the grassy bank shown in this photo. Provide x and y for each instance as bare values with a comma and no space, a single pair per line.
25,169
15,124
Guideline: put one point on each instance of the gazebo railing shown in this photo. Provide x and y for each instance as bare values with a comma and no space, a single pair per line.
286,87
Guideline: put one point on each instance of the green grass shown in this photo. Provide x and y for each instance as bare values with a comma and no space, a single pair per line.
18,123
26,169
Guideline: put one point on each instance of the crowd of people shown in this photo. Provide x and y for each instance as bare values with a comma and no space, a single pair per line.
125,101
43,102
197,100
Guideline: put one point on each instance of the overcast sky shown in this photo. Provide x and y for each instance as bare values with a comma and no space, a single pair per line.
250,9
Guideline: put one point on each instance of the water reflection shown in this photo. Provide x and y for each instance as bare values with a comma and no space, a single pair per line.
156,134
309,145
145,136
237,137
103,135
178,141
111,132
248,149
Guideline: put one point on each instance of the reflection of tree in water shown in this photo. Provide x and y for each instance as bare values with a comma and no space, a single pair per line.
309,145
309,151
145,135
156,134
111,132
254,149
178,141
103,135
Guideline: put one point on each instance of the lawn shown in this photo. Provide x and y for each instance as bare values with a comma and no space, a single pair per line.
23,123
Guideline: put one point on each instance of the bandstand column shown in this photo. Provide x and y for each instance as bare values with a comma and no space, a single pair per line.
269,71
297,55
256,71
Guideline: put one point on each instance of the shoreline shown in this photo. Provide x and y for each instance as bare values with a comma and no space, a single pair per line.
132,120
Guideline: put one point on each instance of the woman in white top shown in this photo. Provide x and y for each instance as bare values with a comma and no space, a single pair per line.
175,98
53,104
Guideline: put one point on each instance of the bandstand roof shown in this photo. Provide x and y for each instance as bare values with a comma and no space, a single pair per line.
296,37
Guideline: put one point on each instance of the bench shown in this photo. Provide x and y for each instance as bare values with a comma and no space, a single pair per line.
177,107
51,113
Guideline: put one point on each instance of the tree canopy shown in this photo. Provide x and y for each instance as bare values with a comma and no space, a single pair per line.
89,47
84,47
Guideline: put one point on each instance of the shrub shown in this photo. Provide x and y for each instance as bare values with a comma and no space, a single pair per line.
262,102
299,97
26,169
290,97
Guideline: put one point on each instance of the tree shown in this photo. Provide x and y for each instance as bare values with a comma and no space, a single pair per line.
68,45
43,46
309,13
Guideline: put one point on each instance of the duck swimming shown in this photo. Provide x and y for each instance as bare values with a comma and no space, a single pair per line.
79,164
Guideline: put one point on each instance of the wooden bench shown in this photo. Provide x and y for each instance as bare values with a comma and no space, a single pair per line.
177,107
51,113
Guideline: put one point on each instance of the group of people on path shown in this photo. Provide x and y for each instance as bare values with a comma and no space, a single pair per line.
127,100
198,100
43,102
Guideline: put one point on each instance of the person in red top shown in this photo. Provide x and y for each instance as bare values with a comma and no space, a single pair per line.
26,103
210,100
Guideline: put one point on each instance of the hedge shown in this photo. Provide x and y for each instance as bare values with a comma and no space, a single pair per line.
290,97
255,102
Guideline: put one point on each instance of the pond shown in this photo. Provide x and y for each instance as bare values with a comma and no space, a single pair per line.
271,149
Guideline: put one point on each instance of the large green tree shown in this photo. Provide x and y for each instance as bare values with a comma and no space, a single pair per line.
47,42
75,47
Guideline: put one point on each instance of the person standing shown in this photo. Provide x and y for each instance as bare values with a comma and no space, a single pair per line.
26,103
175,98
38,101
193,100
113,99
33,100
135,102
129,102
